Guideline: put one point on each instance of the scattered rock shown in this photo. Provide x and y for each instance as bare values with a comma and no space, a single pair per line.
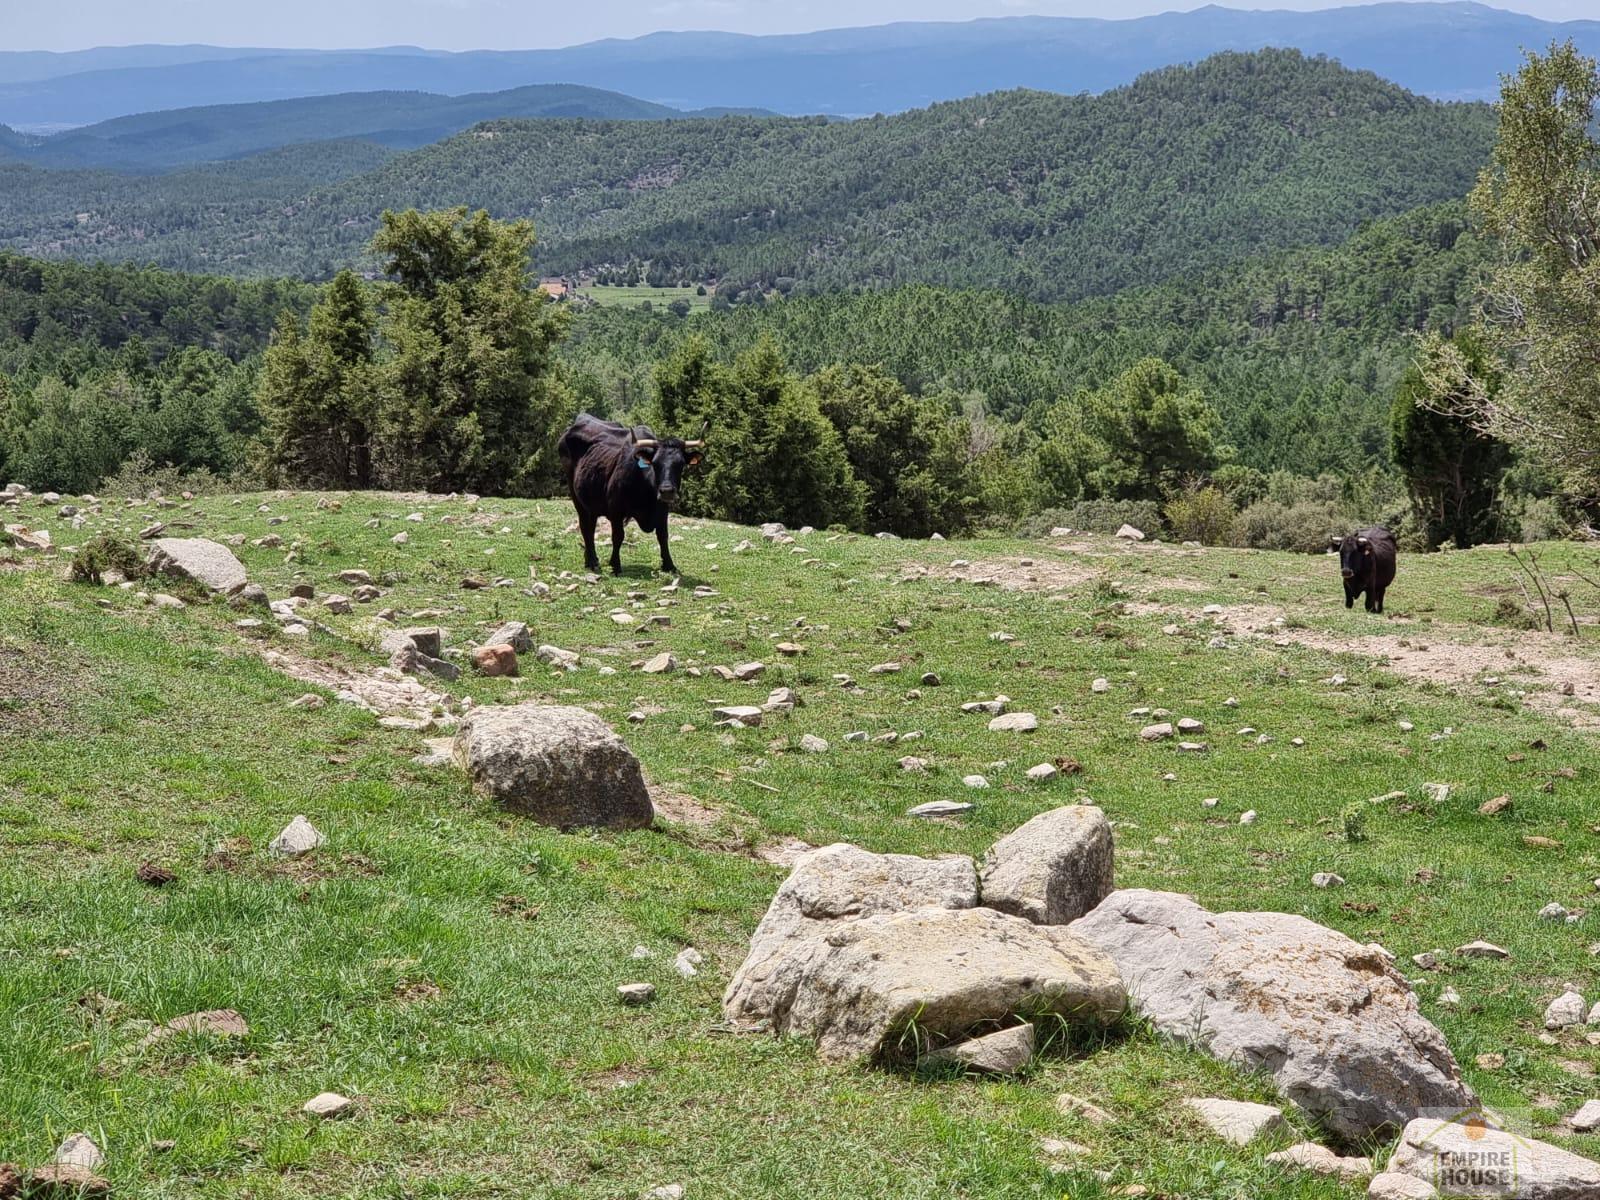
744,714
1393,1186
560,765
745,672
1327,879
1156,732
1043,771
687,963
328,1105
1129,533
1019,722
1052,869
79,1150
210,564
1311,1157
939,808
513,633
812,744
1333,1023
1494,807
1005,1052
495,660
1566,1009
1587,1118
975,781
1238,1121
661,664
1482,949
299,837
1075,1106
634,994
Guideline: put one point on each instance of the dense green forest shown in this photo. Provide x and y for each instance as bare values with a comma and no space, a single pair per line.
1049,196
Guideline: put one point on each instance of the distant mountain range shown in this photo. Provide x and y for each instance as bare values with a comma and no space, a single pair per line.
395,120
1447,51
1041,194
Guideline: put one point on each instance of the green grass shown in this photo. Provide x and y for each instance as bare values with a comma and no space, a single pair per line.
152,735
633,297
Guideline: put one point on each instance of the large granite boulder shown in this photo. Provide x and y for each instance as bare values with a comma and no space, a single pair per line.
829,887
895,985
562,766
208,563
1052,869
1329,1019
1472,1156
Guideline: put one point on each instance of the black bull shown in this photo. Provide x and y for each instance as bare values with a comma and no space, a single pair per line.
617,473
1367,563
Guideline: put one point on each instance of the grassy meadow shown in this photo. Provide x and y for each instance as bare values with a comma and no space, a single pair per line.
454,968
633,297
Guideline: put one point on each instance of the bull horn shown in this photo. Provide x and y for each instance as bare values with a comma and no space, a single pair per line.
700,441
1335,540
1361,541
644,443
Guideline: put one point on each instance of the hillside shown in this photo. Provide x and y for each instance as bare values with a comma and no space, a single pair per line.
1445,50
399,120
1052,196
452,966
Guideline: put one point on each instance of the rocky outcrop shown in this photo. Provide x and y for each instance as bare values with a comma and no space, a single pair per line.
1330,1020
899,983
829,887
1052,869
1472,1156
562,766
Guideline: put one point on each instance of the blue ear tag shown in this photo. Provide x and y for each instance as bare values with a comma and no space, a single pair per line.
644,464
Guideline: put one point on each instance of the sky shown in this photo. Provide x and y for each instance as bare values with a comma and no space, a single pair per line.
532,24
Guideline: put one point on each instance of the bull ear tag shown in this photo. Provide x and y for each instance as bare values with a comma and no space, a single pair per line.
644,464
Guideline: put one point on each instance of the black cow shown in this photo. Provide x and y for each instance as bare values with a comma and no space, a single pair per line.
617,473
1366,560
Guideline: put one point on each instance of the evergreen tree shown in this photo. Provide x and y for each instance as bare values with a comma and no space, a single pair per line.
469,396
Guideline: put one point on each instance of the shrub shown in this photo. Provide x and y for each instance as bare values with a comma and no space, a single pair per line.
1304,527
1204,515
139,477
1543,519
107,552
1096,516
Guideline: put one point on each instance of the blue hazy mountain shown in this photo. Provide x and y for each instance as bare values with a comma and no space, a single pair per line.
1446,51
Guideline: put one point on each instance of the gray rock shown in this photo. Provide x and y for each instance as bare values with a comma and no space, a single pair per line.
1238,1121
429,639
1587,1118
827,889
79,1150
1156,732
1052,869
1327,879
1456,1154
1309,1156
299,837
354,577
1043,771
745,714
1018,722
1129,533
251,595
1482,949
208,563
661,664
812,744
327,1105
938,808
636,993
1332,1021
948,971
1566,1009
748,671
513,633
562,766
1002,1053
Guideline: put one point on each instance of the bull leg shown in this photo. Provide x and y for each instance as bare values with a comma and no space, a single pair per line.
591,559
1377,600
667,564
617,530
1349,596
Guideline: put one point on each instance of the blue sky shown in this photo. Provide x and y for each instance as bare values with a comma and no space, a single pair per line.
520,24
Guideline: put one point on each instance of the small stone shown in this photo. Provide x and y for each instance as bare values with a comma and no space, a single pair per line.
1587,1118
930,679
812,744
1428,960
634,994
1406,727
1394,1185
1565,1010
327,1105
1210,802
1100,685
1020,722
938,808
1553,912
1312,1157
1499,804
1190,725
912,763
1043,771
1073,1106
299,837
687,962
1248,817
1238,1121
661,664
1449,997
1327,879
1003,1053
337,604
667,1191
1156,732
1482,949
79,1150
1437,792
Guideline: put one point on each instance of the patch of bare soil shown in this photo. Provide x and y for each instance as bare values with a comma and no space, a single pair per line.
37,682
681,808
1009,574
1556,677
